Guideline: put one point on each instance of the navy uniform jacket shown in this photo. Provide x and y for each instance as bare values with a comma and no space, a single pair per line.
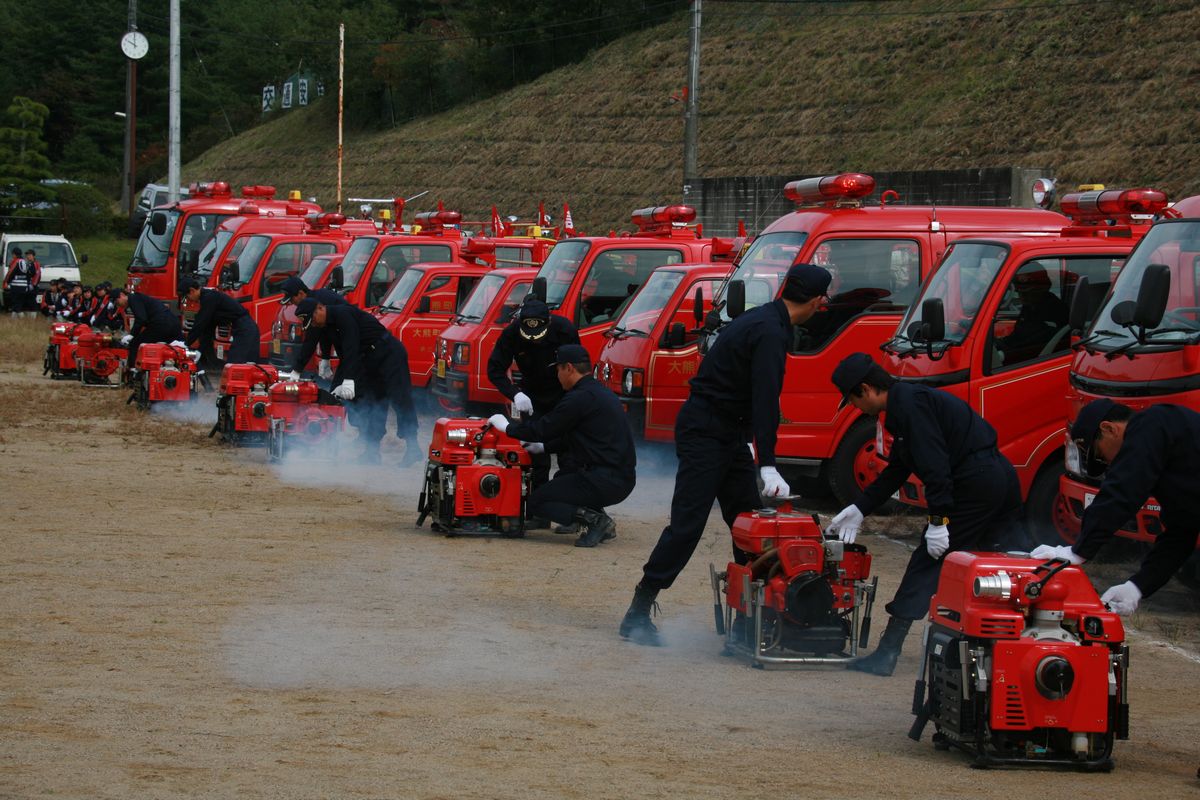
933,432
539,378
355,334
315,336
149,312
1160,457
216,308
589,424
741,376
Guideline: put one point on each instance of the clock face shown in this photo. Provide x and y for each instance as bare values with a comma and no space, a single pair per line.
134,45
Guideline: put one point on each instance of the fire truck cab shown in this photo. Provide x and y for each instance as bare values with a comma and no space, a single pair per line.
653,348
878,256
1143,347
992,327
590,279
421,304
460,379
171,241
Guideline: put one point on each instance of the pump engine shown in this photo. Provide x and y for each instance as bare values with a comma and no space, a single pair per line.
244,403
1023,664
165,373
101,358
59,362
306,416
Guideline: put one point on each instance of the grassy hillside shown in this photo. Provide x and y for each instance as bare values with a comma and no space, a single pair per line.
1102,91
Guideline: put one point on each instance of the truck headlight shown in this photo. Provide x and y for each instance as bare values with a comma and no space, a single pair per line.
462,353
1071,458
631,381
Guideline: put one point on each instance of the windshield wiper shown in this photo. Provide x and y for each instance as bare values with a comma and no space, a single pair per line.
893,346
459,319
1145,338
632,332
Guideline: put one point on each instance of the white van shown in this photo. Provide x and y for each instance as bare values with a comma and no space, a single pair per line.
53,253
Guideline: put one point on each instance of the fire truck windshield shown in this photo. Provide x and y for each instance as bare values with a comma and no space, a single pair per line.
561,267
356,258
211,250
763,266
961,282
152,250
316,269
398,296
648,304
1175,244
251,254
481,297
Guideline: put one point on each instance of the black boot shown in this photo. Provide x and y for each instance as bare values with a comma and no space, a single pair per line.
412,453
597,527
883,660
636,626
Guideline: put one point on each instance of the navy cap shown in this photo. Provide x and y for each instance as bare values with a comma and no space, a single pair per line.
290,287
806,280
534,320
305,309
1085,430
572,354
187,284
850,372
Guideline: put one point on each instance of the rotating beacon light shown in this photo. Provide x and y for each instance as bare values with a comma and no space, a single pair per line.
1106,203
830,189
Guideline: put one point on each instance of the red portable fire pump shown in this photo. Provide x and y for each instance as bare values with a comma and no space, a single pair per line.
101,358
1023,664
244,403
59,361
303,415
803,599
164,373
476,480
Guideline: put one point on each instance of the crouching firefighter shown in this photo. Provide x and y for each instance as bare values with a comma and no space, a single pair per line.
588,425
971,489
372,369
734,396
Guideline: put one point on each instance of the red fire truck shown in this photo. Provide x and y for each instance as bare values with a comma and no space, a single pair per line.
173,237
460,379
1143,347
992,328
590,279
653,347
421,304
878,256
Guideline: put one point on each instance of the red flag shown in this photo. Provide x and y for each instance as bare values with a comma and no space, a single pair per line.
543,217
568,223
497,223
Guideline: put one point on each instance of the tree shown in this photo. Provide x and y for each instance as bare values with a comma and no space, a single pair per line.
23,162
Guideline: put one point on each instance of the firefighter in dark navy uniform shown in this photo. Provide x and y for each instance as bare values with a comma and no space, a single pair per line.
219,309
1153,453
153,321
589,424
972,491
294,293
373,369
734,398
531,339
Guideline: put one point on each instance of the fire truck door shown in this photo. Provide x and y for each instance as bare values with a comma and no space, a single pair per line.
671,368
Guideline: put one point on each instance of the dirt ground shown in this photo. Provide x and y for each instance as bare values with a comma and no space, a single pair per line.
180,618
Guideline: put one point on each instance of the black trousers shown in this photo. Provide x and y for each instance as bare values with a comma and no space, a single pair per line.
714,464
387,384
151,334
19,298
987,517
243,349
594,489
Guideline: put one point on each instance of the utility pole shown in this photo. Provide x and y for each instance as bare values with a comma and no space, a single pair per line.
341,83
173,109
129,185
691,114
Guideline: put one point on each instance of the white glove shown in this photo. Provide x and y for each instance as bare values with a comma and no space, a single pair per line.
1064,551
521,404
937,540
292,375
1122,598
178,343
499,422
846,524
324,369
344,391
194,355
773,483
126,339
534,447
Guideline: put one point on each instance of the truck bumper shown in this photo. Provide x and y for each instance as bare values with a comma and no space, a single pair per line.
1079,494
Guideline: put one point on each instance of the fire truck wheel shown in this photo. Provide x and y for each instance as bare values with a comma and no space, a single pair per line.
855,464
1044,509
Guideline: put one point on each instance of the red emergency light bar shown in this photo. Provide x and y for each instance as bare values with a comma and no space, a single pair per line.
477,246
258,191
661,215
212,189
438,218
1113,203
248,209
298,210
325,220
830,189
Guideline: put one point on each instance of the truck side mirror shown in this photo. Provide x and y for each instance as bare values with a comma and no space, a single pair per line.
229,274
932,327
1077,319
675,336
539,288
423,305
735,299
337,278
698,307
158,223
1152,296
